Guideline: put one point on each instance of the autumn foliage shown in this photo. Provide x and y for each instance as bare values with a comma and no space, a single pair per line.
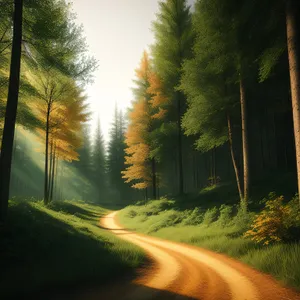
147,106
277,222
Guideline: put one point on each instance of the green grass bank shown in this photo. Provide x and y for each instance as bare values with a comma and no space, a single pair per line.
46,249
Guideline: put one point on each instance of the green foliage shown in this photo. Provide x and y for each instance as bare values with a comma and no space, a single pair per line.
243,217
116,157
131,213
173,44
98,162
225,215
194,217
210,216
170,218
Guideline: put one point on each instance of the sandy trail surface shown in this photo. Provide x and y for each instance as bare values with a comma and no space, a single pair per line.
179,271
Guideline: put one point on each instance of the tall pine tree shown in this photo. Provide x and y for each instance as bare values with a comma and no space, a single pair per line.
99,163
173,44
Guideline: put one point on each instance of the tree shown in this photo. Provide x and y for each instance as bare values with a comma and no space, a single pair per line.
61,109
173,43
209,84
49,38
99,162
116,155
141,137
293,31
11,109
137,151
84,164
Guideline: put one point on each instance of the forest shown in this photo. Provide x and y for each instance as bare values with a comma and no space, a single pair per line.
207,154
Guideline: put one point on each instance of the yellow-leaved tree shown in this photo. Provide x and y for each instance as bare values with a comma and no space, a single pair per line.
147,108
61,109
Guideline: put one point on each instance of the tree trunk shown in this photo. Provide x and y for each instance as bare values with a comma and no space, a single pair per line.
293,31
245,140
153,178
236,171
180,165
52,175
11,109
51,164
46,194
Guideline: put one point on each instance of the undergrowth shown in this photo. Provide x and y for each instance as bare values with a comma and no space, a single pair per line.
222,229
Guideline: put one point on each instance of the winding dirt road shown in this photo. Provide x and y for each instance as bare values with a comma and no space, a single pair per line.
181,271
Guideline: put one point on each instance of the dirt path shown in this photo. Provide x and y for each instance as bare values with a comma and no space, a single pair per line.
185,272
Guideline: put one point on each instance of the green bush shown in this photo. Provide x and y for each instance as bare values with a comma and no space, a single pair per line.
170,218
210,216
244,217
131,213
225,217
154,207
194,217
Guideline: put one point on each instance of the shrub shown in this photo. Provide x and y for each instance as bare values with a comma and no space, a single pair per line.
276,222
171,218
243,218
210,216
194,217
131,213
225,215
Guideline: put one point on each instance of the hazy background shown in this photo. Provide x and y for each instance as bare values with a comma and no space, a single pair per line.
117,32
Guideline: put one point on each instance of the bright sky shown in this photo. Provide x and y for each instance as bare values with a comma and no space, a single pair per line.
117,32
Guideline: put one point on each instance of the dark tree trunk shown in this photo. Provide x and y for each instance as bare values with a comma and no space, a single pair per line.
293,31
52,175
11,109
51,165
245,140
46,190
236,171
153,165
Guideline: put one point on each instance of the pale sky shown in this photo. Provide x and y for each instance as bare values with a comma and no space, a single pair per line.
117,32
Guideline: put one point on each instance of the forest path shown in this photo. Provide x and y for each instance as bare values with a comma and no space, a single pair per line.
182,272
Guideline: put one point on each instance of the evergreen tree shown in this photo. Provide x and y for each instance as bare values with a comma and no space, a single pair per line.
99,162
84,164
173,43
116,156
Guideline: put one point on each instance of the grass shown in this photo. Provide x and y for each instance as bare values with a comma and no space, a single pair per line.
217,229
45,248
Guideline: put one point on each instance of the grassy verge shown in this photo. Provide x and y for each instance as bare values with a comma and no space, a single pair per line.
46,248
218,229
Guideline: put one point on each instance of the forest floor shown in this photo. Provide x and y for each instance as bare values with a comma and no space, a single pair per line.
53,249
180,271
